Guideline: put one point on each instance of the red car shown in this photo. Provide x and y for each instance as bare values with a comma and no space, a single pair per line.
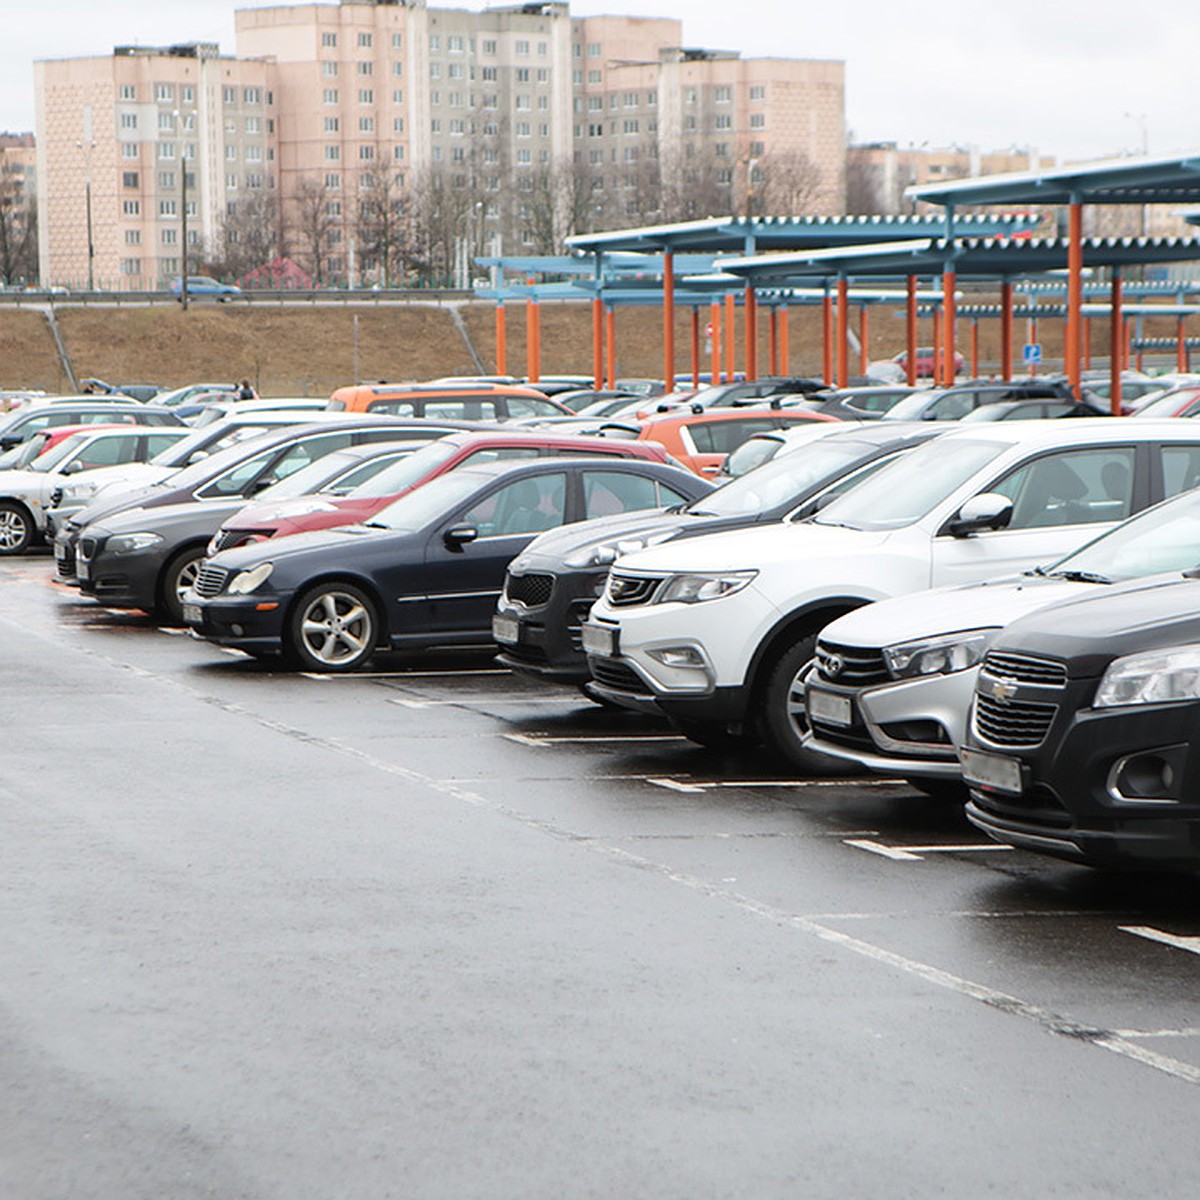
257,522
924,360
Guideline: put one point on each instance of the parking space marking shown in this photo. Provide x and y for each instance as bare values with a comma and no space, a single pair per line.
915,853
540,739
702,785
1188,1031
468,700
320,677
1190,944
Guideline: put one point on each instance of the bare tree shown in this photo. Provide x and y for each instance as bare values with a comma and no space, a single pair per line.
251,236
316,225
864,193
383,221
18,228
787,183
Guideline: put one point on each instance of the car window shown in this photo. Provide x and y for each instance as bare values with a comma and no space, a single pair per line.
1180,469
235,481
108,452
523,506
609,492
299,456
952,407
851,480
495,453
361,473
1072,487
475,408
521,406
397,408
156,443
722,437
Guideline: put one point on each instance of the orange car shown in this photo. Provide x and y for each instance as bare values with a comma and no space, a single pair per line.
701,440
462,402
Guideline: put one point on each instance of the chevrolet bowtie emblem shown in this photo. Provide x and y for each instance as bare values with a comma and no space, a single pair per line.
1001,690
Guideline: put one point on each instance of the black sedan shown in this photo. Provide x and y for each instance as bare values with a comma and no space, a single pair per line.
426,572
553,584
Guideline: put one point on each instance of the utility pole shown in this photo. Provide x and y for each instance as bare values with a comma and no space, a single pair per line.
87,145
183,162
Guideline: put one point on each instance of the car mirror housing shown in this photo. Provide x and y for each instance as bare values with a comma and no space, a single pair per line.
73,468
457,536
988,510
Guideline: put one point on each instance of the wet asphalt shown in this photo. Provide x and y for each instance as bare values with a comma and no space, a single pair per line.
439,931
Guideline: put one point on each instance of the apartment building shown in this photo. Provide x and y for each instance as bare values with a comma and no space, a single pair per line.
18,165
116,135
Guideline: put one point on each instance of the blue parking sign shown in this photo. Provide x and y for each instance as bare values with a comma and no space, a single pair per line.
1032,353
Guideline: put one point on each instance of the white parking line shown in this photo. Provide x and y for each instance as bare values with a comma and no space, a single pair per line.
1188,1031
1190,944
322,678
537,739
700,785
914,853
406,703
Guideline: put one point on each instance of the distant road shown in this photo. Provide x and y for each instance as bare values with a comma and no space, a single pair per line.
310,297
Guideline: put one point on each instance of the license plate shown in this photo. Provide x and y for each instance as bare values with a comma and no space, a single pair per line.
991,771
506,630
600,640
192,614
830,707
83,568
60,552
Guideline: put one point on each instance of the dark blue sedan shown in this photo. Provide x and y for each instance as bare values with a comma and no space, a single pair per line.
427,571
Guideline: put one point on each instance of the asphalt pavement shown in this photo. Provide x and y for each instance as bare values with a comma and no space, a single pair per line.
435,931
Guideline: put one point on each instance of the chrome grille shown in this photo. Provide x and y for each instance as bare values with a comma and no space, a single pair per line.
851,666
210,580
629,589
1023,723
227,539
531,590
1026,669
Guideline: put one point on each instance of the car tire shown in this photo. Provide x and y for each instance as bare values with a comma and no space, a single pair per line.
16,528
783,718
179,575
333,628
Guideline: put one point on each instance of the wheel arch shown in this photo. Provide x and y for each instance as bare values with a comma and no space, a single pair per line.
363,582
170,560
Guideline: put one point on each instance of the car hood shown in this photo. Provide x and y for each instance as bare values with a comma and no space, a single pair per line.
756,549
340,540
949,610
558,544
260,513
193,515
18,483
127,475
1090,632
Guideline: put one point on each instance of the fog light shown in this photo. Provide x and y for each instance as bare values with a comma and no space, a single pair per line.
1146,778
677,656
238,630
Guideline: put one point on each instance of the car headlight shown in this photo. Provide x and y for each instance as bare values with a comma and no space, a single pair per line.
76,491
244,582
938,656
1155,677
605,553
127,543
696,588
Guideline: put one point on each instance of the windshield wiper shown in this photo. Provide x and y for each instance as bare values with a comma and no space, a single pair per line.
1035,571
375,525
1081,577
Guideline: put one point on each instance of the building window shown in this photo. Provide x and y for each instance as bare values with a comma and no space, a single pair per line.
489,45
758,92
168,208
398,69
329,40
524,158
721,149
131,266
166,121
366,68
252,95
398,97
435,126
170,237
329,69
366,152
129,120
758,148
521,48
132,208
489,74
455,100
397,41
631,126
366,124
254,125
397,124
593,49
166,150
164,93
435,42
330,95
723,121
333,181
364,40
129,149
333,208
254,154
458,127
543,49
231,182
398,152
166,180
133,237
230,152
366,96
333,153
593,77
522,104
128,91
522,129
435,71
331,126
522,74
543,76
254,181
723,94
454,44
758,121
577,78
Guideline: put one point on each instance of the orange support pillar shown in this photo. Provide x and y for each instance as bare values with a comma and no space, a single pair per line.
910,331
785,358
827,339
501,340
1180,347
974,347
750,304
1074,296
669,319
1006,330
695,347
533,350
598,343
950,363
610,338
843,340
937,346
864,338
730,337
714,319
1116,349
773,341
1087,343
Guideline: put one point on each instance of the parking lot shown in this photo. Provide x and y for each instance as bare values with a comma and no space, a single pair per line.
435,930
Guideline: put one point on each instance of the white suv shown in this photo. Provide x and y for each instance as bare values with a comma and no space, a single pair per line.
717,632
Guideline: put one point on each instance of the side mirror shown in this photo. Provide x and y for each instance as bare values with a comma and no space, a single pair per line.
988,510
197,456
73,468
457,536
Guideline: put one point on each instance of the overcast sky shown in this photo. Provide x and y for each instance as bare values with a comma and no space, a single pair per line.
1071,79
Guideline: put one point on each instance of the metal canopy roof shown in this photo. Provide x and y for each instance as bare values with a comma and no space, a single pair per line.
726,234
979,257
1172,180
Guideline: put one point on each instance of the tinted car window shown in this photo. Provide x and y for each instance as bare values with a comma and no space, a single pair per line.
108,452
235,481
953,406
303,453
1180,469
608,492
397,408
519,406
360,474
722,437
156,443
474,409
1074,487
494,453
523,506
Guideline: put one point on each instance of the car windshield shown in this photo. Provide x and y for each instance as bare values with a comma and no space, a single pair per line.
214,464
426,504
780,480
24,454
59,452
408,471
308,479
1163,538
911,407
904,491
1168,404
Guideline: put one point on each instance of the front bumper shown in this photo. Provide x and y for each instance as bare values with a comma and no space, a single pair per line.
1109,787
238,621
548,634
120,580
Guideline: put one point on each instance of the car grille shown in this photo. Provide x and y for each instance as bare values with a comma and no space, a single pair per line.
227,539
210,580
617,675
64,560
1026,669
531,590
1021,723
629,589
850,666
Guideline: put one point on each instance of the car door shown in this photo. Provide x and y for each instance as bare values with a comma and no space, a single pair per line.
1060,499
465,580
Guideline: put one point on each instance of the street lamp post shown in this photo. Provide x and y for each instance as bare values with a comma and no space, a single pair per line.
183,231
88,144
